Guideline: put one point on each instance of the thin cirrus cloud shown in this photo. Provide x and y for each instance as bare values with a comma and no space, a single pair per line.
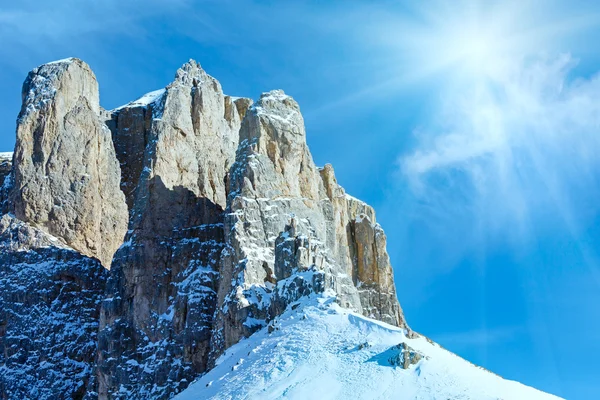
525,142
515,134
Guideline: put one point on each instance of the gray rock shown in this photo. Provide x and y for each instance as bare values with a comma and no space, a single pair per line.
374,275
285,217
49,302
5,181
66,175
130,127
404,356
175,152
229,223
5,165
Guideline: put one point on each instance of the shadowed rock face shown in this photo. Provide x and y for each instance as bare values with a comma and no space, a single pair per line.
130,129
5,166
5,180
66,175
156,318
49,303
162,291
229,222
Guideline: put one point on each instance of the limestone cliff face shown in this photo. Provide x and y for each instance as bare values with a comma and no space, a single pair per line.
64,215
66,175
162,292
361,246
291,230
229,223
49,303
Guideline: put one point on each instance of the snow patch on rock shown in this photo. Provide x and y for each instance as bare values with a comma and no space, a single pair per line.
145,100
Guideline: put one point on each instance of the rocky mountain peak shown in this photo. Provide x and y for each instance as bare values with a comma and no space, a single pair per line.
276,102
66,175
59,84
190,74
229,221
280,120
273,131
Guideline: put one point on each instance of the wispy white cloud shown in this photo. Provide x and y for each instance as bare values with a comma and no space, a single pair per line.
516,146
515,133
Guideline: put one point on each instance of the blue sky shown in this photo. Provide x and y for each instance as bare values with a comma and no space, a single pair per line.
472,128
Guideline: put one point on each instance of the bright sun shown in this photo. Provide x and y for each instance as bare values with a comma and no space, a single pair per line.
474,47
470,39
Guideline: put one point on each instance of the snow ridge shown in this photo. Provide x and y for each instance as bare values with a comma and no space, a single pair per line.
145,100
317,347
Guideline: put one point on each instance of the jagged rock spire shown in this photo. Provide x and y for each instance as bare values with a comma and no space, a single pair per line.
175,149
229,219
66,175
283,218
64,192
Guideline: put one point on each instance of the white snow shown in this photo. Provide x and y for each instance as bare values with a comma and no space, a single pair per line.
274,95
359,218
313,352
349,197
64,60
6,155
145,100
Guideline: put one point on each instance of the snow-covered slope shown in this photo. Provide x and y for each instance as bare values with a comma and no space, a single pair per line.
320,350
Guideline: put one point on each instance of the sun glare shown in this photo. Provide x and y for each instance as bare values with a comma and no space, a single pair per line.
471,39
474,48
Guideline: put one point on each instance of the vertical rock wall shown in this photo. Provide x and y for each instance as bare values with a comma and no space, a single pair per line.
286,217
49,303
66,175
360,245
229,221
70,217
156,320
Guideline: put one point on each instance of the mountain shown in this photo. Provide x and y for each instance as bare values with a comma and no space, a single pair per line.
142,247
322,348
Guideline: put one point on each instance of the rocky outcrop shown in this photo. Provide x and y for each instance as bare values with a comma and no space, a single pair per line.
162,292
64,215
360,246
66,175
49,303
286,217
373,274
404,356
229,222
